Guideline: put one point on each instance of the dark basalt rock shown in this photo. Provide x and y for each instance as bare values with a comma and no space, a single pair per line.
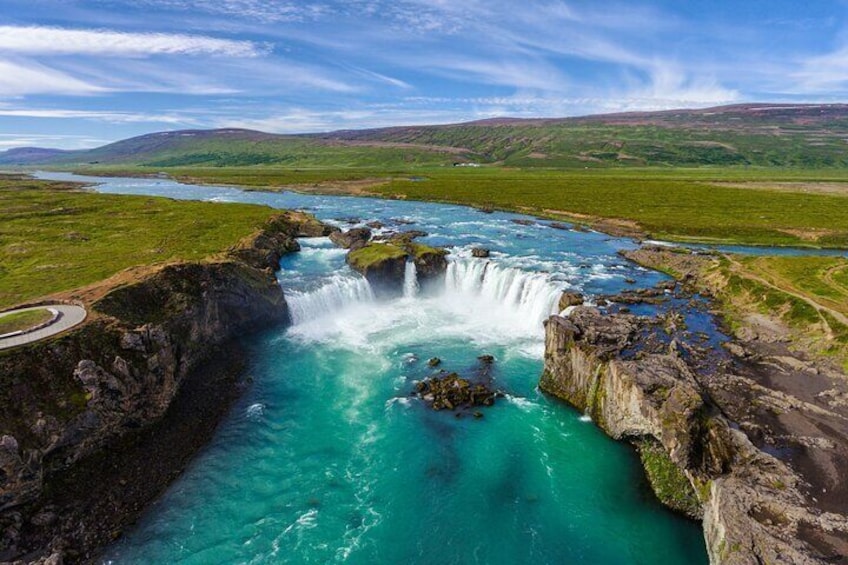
480,252
570,299
558,226
430,262
102,418
452,392
355,238
383,264
755,507
401,238
639,296
523,222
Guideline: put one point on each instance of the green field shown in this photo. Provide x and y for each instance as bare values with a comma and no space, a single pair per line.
808,293
712,205
19,321
55,238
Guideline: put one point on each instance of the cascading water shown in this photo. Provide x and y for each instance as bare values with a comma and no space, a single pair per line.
531,296
328,458
341,291
410,280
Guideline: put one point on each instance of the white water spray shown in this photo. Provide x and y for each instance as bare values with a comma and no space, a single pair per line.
339,292
531,296
410,280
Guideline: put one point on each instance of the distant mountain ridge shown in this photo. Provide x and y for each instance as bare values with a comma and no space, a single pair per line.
787,135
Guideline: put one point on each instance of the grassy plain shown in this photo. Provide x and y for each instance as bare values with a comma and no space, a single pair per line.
713,205
55,237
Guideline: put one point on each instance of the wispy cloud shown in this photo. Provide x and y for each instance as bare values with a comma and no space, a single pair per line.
114,117
38,40
822,73
11,140
268,11
21,78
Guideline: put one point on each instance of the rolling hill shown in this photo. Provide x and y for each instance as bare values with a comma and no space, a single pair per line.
784,135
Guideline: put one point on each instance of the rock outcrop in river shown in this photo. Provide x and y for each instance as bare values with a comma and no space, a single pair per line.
96,422
755,508
384,264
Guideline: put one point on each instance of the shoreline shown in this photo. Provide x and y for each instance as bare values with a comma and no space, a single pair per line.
92,408
615,227
785,500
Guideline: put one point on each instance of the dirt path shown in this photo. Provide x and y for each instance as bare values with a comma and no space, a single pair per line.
827,276
744,272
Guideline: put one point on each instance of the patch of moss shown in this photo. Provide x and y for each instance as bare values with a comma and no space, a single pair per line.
373,253
596,397
419,250
668,482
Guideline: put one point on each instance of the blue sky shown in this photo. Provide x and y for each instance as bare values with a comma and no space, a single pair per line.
80,73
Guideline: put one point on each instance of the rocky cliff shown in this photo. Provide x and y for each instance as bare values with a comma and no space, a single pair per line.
754,507
384,264
80,451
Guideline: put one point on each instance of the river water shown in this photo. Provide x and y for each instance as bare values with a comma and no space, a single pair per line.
327,458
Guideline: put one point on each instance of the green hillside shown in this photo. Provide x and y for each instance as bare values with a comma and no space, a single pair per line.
793,136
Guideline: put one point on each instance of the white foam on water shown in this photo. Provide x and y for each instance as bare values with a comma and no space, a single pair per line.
502,295
255,411
340,292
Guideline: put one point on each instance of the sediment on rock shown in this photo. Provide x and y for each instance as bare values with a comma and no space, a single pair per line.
753,505
71,399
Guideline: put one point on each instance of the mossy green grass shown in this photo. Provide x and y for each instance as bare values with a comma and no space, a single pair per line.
22,321
722,205
362,258
55,238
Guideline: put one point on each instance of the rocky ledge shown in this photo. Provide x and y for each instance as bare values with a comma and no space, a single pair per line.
755,507
384,264
97,421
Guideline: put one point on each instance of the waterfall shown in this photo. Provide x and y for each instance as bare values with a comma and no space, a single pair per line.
410,280
532,297
341,291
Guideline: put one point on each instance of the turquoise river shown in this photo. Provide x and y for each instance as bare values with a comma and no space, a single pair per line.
327,458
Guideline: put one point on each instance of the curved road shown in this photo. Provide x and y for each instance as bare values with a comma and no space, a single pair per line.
69,316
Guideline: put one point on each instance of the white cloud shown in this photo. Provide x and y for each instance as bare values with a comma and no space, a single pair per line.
12,140
519,74
103,116
17,79
304,120
268,11
822,74
38,40
671,87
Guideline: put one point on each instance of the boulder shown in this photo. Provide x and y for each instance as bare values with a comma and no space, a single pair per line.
570,299
480,252
430,262
354,238
452,392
